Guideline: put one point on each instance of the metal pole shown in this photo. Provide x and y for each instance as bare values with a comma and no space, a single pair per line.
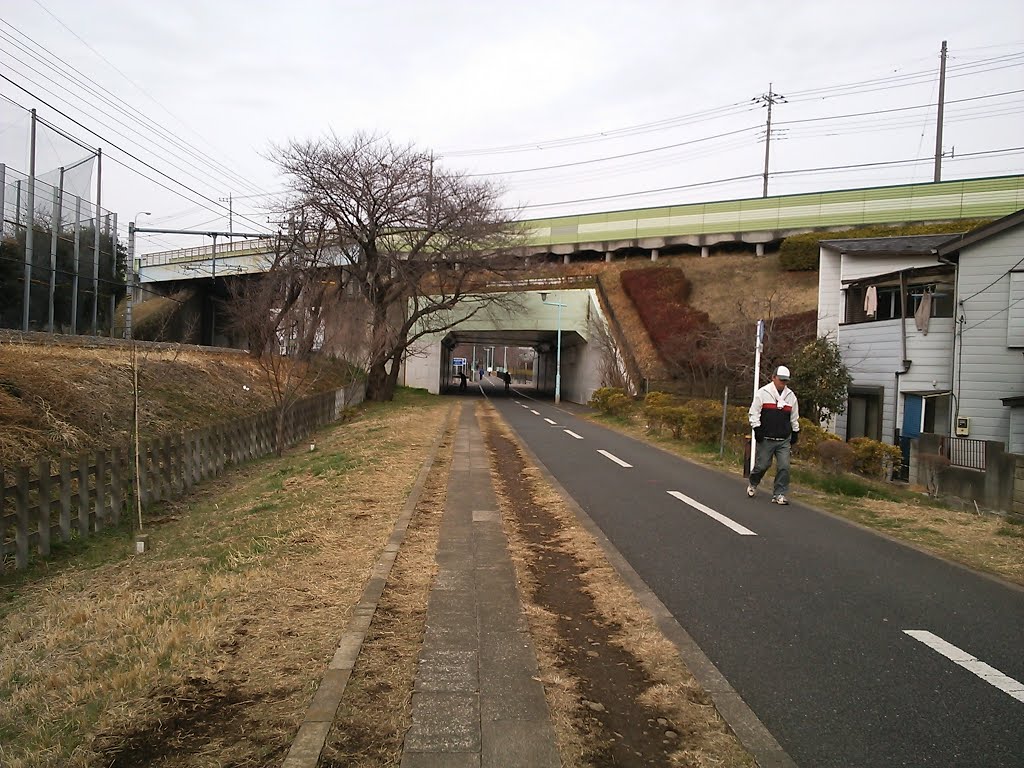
767,140
213,301
54,229
3,188
938,118
130,280
558,357
757,382
96,247
112,233
30,219
725,410
74,279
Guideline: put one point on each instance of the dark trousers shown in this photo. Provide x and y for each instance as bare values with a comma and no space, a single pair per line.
763,454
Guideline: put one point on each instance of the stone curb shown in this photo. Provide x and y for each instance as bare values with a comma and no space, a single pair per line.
749,729
316,724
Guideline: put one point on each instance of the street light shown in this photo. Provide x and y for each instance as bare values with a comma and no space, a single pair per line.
131,275
558,352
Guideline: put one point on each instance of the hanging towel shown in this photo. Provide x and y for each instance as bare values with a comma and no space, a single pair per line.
871,301
923,313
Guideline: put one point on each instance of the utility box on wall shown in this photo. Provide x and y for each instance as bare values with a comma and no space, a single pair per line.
963,426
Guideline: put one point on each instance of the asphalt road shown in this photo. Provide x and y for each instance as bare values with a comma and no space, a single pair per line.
805,615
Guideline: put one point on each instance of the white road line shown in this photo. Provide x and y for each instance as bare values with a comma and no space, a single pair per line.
572,434
549,421
535,413
990,675
742,531
614,458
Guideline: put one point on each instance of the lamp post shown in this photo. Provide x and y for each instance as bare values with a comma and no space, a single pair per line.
129,294
558,352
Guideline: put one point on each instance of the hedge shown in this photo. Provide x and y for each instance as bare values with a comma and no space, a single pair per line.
799,253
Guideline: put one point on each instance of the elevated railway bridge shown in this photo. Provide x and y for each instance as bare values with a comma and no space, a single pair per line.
643,232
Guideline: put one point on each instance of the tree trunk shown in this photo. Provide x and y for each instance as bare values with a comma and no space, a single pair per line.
279,438
377,383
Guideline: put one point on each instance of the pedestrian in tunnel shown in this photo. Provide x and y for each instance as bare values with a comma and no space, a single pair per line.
462,380
507,378
775,418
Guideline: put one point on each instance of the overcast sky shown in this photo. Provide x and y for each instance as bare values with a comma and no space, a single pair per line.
232,78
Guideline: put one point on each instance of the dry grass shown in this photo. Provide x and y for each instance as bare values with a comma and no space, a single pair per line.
375,712
709,742
206,651
728,287
56,400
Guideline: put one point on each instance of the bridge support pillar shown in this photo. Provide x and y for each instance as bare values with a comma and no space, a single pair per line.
759,249
704,251
607,256
654,254
566,259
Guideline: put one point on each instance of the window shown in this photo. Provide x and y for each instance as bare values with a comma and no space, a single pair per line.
889,304
942,299
864,413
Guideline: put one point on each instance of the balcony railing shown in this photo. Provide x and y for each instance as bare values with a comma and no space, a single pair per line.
965,452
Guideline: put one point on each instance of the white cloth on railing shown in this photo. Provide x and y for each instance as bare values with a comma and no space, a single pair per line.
871,301
924,312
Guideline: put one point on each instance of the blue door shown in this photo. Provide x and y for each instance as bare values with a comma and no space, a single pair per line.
913,408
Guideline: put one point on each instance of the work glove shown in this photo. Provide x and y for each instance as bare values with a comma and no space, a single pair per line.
759,434
793,438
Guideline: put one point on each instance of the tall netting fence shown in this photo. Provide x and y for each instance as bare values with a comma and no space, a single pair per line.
62,265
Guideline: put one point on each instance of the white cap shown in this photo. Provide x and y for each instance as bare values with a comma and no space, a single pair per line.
782,372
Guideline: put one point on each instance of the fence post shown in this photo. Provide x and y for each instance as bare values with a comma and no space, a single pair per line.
44,507
83,495
21,519
65,499
117,494
102,519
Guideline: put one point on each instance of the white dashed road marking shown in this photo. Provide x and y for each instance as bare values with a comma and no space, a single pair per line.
990,675
549,421
535,413
741,530
614,458
572,434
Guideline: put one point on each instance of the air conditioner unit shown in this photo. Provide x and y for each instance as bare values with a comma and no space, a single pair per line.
963,426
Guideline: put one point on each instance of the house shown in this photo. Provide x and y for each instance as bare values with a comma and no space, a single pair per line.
931,329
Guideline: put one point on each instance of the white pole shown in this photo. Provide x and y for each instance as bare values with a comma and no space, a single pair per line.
558,358
757,383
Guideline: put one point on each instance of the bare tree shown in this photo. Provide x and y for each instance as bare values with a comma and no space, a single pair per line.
292,312
418,241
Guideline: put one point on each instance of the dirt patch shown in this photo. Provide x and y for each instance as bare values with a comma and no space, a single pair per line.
618,692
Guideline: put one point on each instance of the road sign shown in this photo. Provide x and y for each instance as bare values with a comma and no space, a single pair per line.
457,361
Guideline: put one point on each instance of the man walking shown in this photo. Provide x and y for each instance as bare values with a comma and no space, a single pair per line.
775,417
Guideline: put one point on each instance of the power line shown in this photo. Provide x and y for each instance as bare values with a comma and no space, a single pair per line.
128,79
111,100
120,149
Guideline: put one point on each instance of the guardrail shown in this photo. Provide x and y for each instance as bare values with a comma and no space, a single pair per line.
966,452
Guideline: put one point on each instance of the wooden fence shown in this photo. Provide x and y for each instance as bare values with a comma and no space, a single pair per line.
72,498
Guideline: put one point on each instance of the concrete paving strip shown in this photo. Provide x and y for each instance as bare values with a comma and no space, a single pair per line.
316,725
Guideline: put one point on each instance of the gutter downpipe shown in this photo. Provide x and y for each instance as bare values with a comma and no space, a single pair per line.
903,340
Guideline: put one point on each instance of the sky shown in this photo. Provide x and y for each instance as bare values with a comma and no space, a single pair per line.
635,104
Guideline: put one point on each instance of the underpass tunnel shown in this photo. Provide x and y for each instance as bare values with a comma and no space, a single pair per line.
528,357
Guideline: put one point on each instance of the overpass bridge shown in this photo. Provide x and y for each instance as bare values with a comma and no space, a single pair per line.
646,232
676,228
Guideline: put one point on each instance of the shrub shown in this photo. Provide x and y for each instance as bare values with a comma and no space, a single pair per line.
654,404
799,253
875,459
611,400
811,437
835,456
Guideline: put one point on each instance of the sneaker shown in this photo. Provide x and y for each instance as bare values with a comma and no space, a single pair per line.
780,499
751,490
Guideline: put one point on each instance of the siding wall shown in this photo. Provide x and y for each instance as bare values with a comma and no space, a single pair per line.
830,294
873,353
985,369
856,267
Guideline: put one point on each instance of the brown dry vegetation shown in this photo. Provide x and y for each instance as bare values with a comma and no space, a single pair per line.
730,288
618,691
58,400
207,650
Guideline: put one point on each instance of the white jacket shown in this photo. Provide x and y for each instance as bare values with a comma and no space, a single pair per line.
777,413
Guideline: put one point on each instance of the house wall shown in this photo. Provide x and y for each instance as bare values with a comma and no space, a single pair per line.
866,265
985,369
830,294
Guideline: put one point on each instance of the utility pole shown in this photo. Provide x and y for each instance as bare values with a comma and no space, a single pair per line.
768,99
231,215
938,118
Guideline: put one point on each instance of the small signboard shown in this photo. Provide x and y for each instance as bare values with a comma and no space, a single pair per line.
459,361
